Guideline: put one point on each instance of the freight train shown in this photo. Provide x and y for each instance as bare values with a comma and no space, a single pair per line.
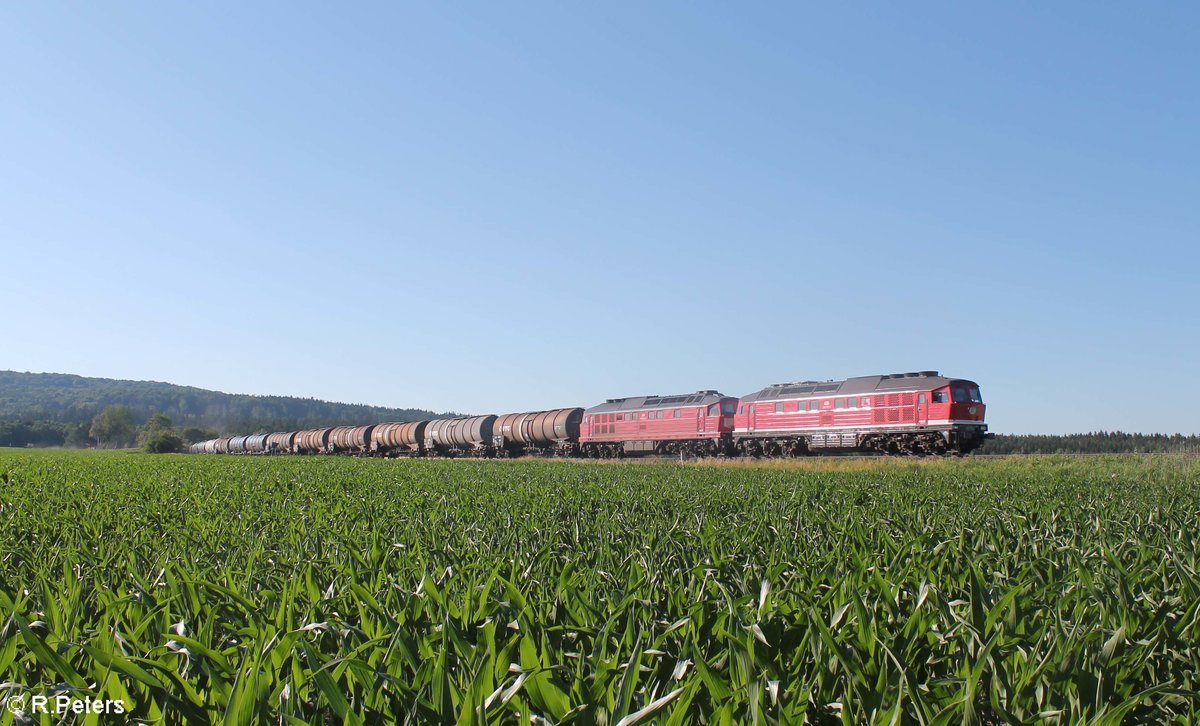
901,413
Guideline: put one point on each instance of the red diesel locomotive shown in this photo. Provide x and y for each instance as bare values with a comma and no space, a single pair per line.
697,424
901,413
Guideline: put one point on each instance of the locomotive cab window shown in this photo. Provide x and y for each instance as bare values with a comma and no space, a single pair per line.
779,408
678,413
940,397
839,403
727,408
967,395
714,409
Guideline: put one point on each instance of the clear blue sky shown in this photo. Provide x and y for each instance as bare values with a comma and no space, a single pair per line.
504,206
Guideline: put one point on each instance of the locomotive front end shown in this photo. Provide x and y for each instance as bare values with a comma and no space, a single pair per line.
960,405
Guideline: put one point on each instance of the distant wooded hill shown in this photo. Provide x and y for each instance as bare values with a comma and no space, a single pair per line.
58,398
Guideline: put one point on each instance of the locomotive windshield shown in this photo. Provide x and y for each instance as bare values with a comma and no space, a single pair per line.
727,407
967,394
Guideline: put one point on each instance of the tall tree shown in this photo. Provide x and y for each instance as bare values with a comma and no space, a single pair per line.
158,437
113,427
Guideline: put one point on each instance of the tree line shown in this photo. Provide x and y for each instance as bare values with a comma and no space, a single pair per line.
43,408
112,428
1096,442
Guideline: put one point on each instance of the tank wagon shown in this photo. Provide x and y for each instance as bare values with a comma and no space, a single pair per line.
311,441
399,439
349,439
538,433
280,442
256,444
469,436
900,413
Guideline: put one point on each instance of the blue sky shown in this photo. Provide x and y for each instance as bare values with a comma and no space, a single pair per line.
497,206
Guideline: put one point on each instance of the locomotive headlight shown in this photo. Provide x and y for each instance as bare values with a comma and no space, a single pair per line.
971,410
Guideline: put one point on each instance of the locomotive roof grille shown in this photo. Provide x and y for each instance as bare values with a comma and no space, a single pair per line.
668,400
696,397
636,402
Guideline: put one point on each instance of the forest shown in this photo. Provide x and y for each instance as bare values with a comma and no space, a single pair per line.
56,409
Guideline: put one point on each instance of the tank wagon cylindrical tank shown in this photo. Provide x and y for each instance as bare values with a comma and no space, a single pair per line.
196,448
237,444
210,446
256,444
280,442
221,446
311,441
350,439
405,438
471,434
538,432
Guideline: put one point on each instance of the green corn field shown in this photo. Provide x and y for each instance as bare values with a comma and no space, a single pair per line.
326,590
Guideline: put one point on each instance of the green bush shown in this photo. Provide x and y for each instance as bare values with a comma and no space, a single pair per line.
162,442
